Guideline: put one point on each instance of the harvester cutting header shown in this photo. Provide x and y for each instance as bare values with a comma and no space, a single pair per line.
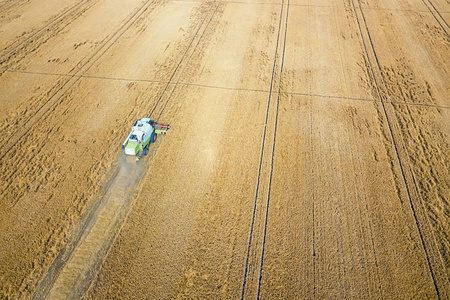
143,133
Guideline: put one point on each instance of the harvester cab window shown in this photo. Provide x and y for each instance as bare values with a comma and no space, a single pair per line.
133,137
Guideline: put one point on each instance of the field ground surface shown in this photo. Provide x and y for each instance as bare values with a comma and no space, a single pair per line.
308,155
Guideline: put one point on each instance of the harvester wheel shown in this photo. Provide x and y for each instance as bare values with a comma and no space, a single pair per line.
146,151
153,138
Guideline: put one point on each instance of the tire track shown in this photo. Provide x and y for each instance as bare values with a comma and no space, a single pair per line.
311,156
178,71
5,5
313,229
427,240
273,153
437,15
83,67
372,276
67,17
252,261
359,183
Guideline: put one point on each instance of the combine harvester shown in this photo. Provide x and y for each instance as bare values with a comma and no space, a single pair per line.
143,133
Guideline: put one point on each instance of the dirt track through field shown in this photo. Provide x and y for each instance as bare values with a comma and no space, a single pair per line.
308,154
72,271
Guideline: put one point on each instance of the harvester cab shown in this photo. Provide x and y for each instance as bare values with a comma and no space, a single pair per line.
143,133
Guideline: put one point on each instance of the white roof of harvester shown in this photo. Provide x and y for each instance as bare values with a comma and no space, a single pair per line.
140,126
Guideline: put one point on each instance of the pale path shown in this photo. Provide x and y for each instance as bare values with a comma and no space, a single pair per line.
73,270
